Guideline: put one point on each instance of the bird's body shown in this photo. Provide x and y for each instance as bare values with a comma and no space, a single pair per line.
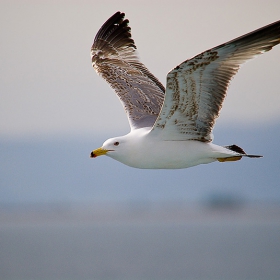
153,154
165,154
172,128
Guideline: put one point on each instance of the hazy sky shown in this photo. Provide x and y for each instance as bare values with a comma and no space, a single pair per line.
48,86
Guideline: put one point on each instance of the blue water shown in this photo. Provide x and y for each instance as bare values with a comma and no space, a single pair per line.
42,236
60,170
174,243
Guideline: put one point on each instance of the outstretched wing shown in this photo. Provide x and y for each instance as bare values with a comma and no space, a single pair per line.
195,90
114,57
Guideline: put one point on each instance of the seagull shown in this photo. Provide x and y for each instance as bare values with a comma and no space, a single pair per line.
172,128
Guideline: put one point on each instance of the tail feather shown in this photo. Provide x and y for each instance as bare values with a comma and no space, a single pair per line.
240,151
253,156
236,149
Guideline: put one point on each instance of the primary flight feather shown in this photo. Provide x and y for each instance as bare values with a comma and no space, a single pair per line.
172,128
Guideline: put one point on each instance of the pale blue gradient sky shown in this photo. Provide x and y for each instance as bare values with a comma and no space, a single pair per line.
48,87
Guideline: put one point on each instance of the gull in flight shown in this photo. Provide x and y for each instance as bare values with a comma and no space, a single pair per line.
172,128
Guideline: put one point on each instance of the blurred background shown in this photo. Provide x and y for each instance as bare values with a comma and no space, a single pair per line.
66,216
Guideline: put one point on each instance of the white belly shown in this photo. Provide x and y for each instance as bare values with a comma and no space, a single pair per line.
169,154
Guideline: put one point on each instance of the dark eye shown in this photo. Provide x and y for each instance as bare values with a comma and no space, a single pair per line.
116,144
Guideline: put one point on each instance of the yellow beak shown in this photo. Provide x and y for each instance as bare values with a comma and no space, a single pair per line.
98,152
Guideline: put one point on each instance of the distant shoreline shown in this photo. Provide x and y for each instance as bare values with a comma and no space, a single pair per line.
160,212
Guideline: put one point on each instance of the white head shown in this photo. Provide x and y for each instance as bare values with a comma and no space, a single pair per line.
128,149
114,147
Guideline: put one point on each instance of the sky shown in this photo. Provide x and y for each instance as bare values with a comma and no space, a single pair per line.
49,89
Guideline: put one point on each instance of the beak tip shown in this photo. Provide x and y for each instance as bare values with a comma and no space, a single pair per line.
92,155
98,152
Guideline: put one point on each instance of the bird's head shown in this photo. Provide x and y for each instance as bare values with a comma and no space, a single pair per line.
111,147
130,149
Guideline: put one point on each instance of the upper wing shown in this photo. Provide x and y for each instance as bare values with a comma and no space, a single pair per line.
114,57
195,89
